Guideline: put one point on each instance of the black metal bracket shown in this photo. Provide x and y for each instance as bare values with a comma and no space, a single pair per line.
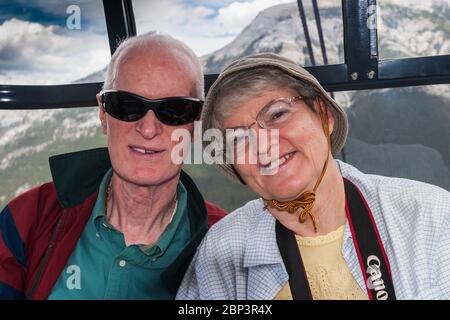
120,21
301,11
360,39
49,97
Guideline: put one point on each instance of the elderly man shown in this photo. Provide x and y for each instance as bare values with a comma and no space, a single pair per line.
121,222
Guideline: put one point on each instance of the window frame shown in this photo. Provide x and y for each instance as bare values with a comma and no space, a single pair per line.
361,57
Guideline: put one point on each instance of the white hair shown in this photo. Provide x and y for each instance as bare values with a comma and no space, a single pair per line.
184,54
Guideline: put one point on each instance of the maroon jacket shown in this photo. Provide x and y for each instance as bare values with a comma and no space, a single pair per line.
40,228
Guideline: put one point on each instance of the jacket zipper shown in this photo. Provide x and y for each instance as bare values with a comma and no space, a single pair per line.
43,263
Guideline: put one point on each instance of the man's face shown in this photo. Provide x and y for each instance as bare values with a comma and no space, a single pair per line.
152,76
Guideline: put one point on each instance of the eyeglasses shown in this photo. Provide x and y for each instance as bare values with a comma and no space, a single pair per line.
274,115
172,111
277,113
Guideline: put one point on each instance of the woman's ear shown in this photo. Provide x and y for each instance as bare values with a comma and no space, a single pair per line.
328,113
102,114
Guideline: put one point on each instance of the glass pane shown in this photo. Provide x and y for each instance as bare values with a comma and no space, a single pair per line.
400,132
52,42
28,138
218,189
222,31
413,28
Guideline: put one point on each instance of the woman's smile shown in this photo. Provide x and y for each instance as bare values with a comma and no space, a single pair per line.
280,163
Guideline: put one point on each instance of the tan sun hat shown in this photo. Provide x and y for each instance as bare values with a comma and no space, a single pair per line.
262,60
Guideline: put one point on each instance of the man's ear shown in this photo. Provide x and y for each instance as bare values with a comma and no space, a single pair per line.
102,114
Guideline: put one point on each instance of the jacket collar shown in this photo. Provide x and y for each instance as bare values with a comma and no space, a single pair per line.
77,175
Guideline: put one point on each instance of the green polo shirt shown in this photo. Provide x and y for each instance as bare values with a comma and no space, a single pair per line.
103,267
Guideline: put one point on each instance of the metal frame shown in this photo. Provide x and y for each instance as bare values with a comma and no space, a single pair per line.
120,21
361,63
301,10
49,97
120,24
361,57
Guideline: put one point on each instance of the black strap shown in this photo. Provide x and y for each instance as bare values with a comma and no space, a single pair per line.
290,253
369,247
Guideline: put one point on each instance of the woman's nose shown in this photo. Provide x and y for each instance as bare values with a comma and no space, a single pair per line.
268,145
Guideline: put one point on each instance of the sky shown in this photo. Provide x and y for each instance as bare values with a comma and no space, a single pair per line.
37,47
204,25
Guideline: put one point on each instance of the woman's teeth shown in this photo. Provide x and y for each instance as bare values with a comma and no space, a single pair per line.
285,158
272,168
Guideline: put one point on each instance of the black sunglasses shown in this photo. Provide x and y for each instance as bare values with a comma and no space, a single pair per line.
172,111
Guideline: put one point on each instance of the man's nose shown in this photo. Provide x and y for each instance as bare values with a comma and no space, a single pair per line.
149,126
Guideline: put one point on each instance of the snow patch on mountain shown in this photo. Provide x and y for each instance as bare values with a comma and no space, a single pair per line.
9,158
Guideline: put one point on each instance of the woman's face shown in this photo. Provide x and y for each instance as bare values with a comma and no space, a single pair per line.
302,147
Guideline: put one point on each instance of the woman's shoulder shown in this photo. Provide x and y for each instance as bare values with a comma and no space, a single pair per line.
398,188
235,228
405,199
239,220
405,191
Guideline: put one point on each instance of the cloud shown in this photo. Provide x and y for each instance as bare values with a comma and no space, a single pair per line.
45,52
211,3
237,15
204,25
31,53
188,22
55,12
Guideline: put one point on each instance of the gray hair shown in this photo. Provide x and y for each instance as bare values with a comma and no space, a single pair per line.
242,86
145,41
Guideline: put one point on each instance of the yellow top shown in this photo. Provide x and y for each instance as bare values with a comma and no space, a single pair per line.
327,272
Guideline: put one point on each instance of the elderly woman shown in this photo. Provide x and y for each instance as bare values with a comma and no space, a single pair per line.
321,229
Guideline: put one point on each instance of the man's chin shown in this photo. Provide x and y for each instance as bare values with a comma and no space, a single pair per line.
148,181
148,176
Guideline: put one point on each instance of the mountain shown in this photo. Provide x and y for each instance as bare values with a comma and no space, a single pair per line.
278,29
401,132
98,76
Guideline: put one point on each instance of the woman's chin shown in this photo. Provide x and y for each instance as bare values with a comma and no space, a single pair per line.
284,195
285,190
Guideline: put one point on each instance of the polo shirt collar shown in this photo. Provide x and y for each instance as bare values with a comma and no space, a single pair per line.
99,210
